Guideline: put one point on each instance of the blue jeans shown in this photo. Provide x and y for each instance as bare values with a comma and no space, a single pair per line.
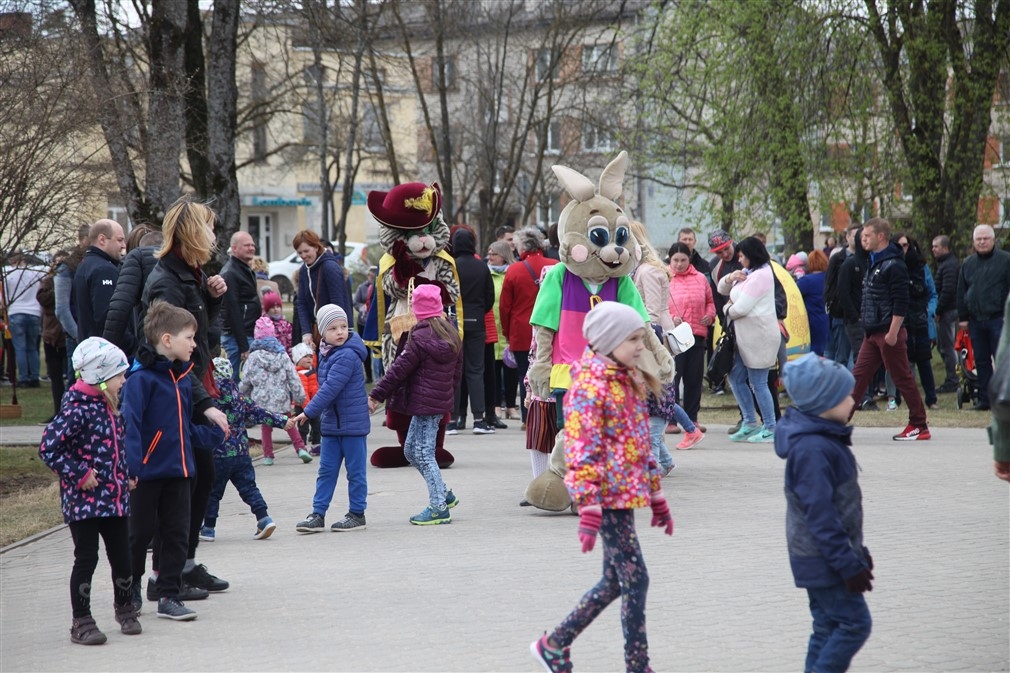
234,357
332,452
238,470
657,438
842,624
26,335
839,349
739,377
419,450
985,335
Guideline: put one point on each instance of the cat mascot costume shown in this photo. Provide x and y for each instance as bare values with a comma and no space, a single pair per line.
414,236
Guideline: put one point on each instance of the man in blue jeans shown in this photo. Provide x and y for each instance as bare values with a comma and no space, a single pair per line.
982,289
24,314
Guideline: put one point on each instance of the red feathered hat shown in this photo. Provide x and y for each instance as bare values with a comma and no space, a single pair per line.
410,206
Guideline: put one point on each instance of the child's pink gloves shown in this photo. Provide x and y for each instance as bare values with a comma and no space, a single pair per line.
590,518
661,516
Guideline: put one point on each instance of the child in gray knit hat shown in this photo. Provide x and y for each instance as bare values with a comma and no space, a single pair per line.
824,510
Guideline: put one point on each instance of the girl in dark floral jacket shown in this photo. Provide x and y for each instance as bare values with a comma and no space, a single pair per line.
84,446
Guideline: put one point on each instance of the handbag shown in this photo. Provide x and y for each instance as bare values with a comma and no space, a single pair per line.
508,358
721,362
680,338
404,322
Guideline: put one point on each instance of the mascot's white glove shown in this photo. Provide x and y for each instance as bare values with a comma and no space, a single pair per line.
540,371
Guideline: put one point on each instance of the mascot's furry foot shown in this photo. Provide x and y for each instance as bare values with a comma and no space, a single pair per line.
548,492
392,456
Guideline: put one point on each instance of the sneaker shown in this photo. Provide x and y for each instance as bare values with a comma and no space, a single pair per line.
450,498
268,462
126,616
199,577
350,522
763,437
206,534
431,517
84,631
313,523
264,528
892,404
745,433
553,661
912,433
450,428
691,439
933,407
304,455
482,428
315,450
869,405
186,592
174,609
497,423
668,470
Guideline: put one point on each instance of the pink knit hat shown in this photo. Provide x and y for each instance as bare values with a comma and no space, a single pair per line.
264,328
271,300
427,301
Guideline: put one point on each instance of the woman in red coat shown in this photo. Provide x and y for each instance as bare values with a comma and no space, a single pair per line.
518,294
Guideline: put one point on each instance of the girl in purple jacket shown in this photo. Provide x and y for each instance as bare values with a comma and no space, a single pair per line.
417,384
83,445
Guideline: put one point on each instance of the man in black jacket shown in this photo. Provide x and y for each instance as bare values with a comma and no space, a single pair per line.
477,294
947,269
95,279
242,307
982,289
883,310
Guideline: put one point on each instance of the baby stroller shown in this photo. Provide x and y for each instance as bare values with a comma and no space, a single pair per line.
967,391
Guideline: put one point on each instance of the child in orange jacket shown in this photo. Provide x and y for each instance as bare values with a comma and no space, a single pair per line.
305,365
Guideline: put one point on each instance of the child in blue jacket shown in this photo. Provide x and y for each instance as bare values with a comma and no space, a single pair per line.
232,462
342,406
83,445
160,440
824,510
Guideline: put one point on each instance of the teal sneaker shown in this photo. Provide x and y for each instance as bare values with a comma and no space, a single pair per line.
268,461
450,498
431,517
745,433
763,437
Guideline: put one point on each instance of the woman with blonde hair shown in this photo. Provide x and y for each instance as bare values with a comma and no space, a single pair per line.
179,279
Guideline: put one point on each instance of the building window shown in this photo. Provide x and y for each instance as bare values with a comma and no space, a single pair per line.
371,130
547,63
599,58
450,73
1004,150
553,145
313,116
596,138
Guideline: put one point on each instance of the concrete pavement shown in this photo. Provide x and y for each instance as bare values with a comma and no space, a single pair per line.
471,596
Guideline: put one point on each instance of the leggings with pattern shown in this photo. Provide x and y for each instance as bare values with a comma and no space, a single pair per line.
624,575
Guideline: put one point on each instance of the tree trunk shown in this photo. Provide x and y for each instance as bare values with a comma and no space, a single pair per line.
197,141
222,106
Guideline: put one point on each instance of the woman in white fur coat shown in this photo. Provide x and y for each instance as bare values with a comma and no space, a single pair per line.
751,307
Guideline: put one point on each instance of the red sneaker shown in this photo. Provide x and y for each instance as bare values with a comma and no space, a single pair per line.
912,433
691,439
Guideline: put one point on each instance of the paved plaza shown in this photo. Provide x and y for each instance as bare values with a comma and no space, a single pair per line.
471,596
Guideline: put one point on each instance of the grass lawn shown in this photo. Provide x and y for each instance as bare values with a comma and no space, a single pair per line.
29,494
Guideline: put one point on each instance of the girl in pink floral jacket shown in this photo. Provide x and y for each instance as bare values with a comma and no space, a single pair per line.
611,473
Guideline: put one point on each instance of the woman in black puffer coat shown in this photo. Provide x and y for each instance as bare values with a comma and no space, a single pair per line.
122,322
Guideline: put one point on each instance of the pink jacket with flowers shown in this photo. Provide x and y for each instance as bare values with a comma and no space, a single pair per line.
691,299
607,448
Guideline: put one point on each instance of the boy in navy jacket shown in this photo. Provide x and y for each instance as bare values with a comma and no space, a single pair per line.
824,510
160,437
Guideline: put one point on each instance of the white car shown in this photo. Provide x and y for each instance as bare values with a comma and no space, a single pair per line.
282,270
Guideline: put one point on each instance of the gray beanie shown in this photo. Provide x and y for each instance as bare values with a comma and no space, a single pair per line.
327,314
609,324
96,360
815,384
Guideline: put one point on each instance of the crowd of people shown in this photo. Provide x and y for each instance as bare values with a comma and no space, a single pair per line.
174,364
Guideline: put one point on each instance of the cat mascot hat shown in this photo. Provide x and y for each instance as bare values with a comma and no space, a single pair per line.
598,253
413,236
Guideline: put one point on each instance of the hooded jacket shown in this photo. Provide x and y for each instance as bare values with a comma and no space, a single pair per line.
86,437
342,403
885,290
121,322
157,409
421,380
269,377
242,413
824,505
475,284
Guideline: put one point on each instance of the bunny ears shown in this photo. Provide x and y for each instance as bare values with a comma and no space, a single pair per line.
581,188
